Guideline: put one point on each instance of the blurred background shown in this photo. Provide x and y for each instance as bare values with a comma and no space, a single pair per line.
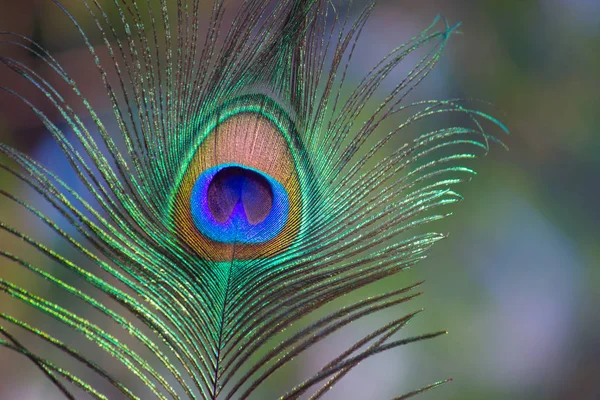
517,282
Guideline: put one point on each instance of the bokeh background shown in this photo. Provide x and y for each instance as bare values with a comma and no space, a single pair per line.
517,282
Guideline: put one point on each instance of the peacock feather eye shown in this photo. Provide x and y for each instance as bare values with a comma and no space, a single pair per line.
240,194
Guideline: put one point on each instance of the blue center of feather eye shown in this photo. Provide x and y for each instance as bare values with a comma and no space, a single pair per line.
234,203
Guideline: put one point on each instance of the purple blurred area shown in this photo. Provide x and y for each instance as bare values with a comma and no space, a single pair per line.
517,282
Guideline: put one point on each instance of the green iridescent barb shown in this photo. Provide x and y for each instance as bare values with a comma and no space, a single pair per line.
248,185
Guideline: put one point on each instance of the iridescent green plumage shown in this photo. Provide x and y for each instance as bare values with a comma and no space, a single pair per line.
215,308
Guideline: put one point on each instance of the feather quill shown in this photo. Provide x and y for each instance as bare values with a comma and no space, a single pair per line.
241,192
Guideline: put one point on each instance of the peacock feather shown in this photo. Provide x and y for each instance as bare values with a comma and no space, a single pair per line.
242,184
